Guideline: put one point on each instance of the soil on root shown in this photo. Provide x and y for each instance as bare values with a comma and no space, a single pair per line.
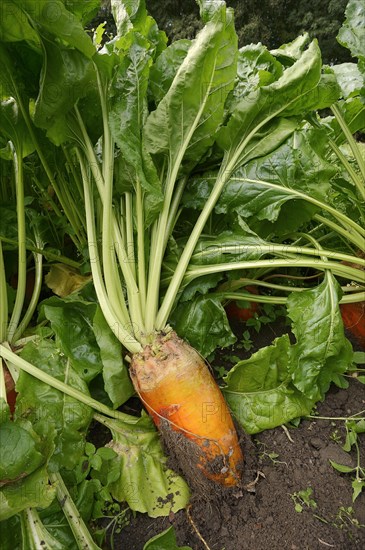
278,467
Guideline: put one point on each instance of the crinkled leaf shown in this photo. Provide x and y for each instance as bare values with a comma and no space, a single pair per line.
184,124
259,390
66,76
287,94
72,321
321,353
132,16
165,540
203,323
24,447
349,78
32,491
38,401
200,285
276,132
352,33
126,118
126,13
115,373
322,96
255,67
264,185
143,480
165,68
56,19
292,51
19,455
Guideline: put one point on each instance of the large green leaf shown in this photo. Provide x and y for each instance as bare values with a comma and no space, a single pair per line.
292,51
32,491
20,79
131,15
72,321
352,33
127,115
54,18
67,75
299,90
184,124
349,78
38,401
352,36
84,11
203,323
229,246
26,449
13,128
115,372
321,353
263,186
259,390
19,455
255,67
276,133
15,25
163,71
138,474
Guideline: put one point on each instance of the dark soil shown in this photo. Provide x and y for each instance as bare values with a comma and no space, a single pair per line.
279,464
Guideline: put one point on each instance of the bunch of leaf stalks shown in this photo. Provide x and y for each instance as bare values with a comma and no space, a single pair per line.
178,176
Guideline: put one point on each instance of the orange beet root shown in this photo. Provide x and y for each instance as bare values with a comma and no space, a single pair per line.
177,387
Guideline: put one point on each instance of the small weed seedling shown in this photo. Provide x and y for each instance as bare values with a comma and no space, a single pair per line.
353,428
220,371
303,499
247,343
345,516
268,454
335,436
269,314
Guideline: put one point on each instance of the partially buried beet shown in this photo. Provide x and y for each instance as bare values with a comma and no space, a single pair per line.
182,397
243,310
353,316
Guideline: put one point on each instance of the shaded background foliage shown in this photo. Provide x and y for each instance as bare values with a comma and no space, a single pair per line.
272,22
